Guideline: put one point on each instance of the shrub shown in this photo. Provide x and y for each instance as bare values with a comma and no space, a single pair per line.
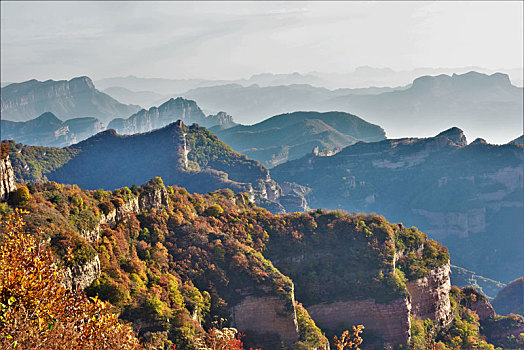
20,197
214,210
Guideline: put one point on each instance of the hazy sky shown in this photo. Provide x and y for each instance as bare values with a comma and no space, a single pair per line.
227,40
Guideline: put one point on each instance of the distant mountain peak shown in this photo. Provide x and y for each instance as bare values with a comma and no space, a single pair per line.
66,99
471,77
455,135
518,141
49,118
82,82
479,141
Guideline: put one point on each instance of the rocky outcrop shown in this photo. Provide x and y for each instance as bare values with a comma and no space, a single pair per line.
270,315
294,197
221,119
428,299
390,320
7,178
429,296
483,308
153,198
81,276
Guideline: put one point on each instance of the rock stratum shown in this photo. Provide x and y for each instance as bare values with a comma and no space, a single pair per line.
7,176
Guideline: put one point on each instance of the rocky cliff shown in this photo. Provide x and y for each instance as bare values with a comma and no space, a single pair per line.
268,317
428,299
221,119
7,177
155,197
429,296
390,321
81,276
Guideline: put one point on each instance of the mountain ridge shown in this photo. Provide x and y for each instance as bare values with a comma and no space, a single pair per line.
291,135
77,97
468,196
48,130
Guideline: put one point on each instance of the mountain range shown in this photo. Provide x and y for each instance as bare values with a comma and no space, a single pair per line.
290,136
75,98
360,77
183,155
488,106
484,105
175,109
172,263
469,197
48,130
145,99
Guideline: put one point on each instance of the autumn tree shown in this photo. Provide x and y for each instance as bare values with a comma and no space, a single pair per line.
349,340
37,311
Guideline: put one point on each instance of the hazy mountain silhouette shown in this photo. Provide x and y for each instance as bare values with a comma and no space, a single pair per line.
48,130
175,109
77,97
290,136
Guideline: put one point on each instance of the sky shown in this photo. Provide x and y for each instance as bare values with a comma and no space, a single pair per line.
232,40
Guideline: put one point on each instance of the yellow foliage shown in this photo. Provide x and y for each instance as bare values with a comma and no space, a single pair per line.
349,341
37,311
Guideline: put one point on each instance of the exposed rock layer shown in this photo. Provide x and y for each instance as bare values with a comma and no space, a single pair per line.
267,315
81,276
7,178
430,296
391,321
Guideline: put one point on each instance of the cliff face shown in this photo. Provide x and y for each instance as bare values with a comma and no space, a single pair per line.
483,309
154,198
7,178
430,296
81,276
268,316
391,320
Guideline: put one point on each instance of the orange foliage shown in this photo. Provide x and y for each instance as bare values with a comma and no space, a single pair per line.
37,311
349,341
